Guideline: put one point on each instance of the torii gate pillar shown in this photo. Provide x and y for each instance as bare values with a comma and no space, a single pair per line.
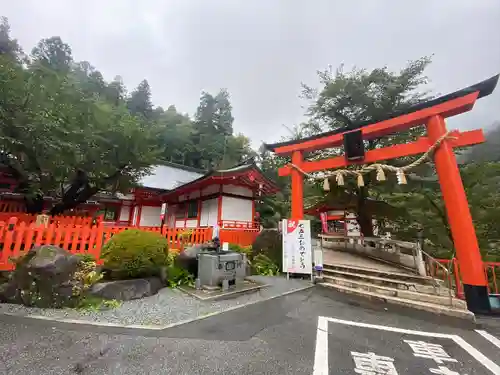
297,188
459,219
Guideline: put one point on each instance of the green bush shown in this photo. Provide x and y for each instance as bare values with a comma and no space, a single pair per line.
133,254
247,250
269,243
86,258
177,275
263,265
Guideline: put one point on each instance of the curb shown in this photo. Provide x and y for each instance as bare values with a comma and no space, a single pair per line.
149,327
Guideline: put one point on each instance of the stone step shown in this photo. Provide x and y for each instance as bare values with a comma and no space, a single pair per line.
394,292
382,273
418,305
389,282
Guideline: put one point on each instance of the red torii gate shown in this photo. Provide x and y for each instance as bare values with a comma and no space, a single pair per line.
431,113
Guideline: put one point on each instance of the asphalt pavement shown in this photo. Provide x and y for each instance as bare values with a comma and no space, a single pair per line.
315,331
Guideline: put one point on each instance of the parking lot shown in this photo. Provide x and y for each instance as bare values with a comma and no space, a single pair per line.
315,331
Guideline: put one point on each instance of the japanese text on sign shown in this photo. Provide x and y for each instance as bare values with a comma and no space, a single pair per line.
297,251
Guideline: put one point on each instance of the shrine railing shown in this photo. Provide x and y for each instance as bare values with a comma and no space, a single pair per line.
240,237
60,220
237,224
491,271
401,253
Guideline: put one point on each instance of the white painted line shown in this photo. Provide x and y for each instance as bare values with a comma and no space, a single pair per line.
150,327
489,337
480,357
486,362
321,352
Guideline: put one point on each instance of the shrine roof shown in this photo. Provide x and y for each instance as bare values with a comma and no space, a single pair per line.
484,88
246,175
169,176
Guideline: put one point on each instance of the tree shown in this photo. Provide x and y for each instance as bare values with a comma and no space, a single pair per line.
8,46
66,133
212,130
274,208
487,151
139,103
61,142
223,118
423,209
176,139
361,96
53,53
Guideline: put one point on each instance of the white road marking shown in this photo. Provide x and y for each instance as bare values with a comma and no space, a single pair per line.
321,352
489,337
321,359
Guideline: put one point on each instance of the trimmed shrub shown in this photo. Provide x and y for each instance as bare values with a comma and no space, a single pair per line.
247,250
134,254
265,266
269,243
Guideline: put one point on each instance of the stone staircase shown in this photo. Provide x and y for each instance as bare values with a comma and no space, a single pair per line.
380,281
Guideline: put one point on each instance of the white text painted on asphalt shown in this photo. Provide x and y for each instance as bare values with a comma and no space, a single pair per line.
372,364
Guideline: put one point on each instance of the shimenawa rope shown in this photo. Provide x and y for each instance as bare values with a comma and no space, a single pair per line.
400,171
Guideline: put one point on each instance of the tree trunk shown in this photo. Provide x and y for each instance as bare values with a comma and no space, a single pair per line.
34,205
80,191
363,217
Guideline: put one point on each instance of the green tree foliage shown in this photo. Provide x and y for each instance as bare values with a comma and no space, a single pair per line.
422,208
53,54
8,46
487,151
67,133
274,208
60,135
139,102
360,96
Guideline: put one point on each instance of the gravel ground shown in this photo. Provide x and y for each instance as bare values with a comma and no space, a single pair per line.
167,307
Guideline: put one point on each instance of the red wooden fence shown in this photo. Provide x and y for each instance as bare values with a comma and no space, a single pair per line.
239,237
18,236
60,220
491,270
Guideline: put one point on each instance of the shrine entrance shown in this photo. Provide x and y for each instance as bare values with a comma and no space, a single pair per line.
438,142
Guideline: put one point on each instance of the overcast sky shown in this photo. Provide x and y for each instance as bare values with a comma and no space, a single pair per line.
261,50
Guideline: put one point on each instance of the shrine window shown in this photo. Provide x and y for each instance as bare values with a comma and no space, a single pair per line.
110,213
192,210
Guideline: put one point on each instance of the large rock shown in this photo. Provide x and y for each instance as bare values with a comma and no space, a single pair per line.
125,290
47,276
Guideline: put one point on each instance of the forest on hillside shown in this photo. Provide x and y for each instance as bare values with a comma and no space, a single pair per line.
62,124
67,133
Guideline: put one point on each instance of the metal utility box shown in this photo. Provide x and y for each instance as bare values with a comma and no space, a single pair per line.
213,267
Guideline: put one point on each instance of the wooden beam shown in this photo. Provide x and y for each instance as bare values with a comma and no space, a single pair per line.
394,125
372,156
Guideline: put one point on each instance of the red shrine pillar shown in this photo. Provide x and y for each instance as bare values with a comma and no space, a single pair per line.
460,220
297,187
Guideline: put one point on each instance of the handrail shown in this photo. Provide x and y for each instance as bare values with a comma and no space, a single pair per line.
414,246
493,286
446,270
